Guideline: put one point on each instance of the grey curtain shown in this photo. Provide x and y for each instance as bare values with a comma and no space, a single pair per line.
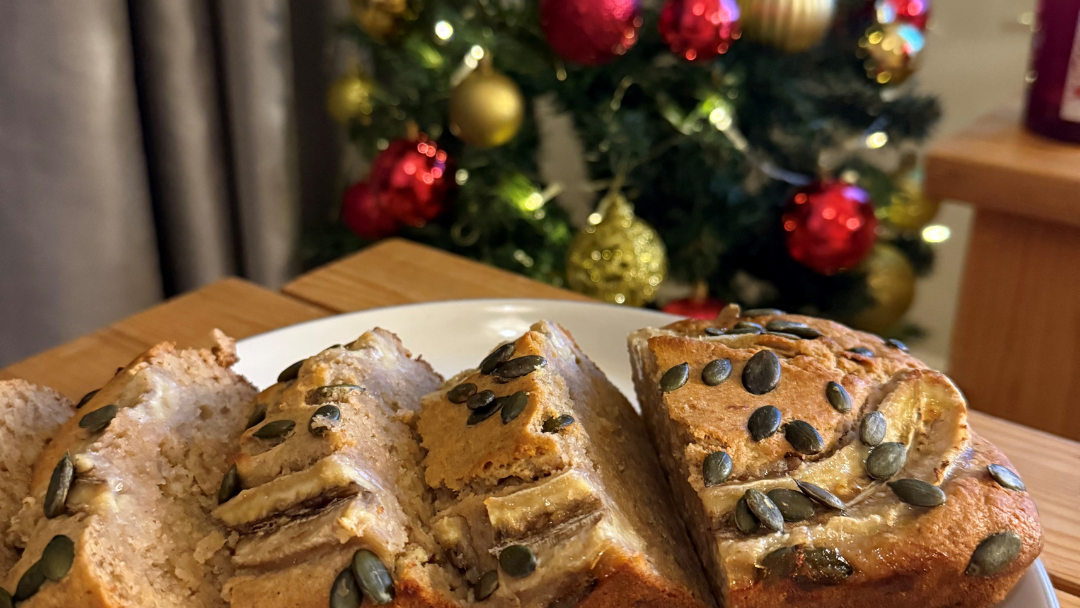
148,147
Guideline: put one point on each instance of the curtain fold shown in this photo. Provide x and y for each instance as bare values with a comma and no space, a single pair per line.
77,240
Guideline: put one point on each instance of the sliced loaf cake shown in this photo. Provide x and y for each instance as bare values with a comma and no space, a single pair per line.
118,510
547,494
326,491
29,416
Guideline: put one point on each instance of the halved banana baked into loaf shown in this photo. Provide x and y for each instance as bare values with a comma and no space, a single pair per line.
547,494
29,416
327,492
118,513
817,465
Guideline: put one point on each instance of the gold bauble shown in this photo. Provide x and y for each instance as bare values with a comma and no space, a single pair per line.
349,98
892,51
890,280
619,259
379,18
487,108
789,25
909,208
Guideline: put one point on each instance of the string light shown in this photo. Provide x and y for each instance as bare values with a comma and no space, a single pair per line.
876,140
443,30
936,233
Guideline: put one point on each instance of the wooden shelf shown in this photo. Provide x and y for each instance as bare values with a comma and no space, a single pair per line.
997,164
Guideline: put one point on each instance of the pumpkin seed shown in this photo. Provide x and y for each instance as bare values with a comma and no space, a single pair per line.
821,495
481,414
741,331
552,425
873,427
5,599
803,437
716,371
886,460
897,344
716,468
275,429
861,350
461,392
59,485
496,358
780,564
764,509
323,418
86,398
792,505
748,325
1006,478
257,416
30,582
761,373
373,577
745,520
764,422
714,331
780,334
762,312
917,492
801,330
57,557
290,373
513,406
823,567
230,485
330,392
675,377
489,582
345,593
522,366
479,400
838,397
518,561
99,419
993,554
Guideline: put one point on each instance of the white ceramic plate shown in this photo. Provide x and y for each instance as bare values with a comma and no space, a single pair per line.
458,334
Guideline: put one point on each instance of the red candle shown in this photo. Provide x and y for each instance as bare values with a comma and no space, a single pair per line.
1054,96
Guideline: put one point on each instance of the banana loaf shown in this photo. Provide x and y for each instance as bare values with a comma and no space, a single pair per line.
118,509
817,465
29,416
326,491
545,492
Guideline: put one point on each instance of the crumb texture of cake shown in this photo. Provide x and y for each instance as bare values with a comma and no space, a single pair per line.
327,492
818,465
118,510
29,417
547,493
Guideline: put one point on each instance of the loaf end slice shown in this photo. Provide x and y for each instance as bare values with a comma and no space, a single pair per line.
824,380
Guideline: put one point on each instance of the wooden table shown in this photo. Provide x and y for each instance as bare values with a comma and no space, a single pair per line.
398,272
1016,343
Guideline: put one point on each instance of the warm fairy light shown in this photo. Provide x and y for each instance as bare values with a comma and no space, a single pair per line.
720,118
461,177
444,30
477,52
876,140
594,218
936,233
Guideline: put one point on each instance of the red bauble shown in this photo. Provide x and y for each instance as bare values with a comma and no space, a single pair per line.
590,32
830,226
915,12
695,308
411,180
362,213
699,30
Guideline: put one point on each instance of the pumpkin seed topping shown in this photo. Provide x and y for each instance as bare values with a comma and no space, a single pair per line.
762,312
716,371
461,393
801,330
522,366
794,506
488,584
517,561
821,495
917,492
764,422
1006,478
230,485
99,419
345,592
716,469
275,429
553,425
291,373
838,397
994,554
86,398
258,415
745,520
761,373
861,350
323,418
373,577
479,400
59,485
675,378
513,406
873,427
764,509
30,582
496,358
886,460
57,557
803,437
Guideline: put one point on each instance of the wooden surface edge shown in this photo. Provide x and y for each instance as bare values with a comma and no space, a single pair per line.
1067,600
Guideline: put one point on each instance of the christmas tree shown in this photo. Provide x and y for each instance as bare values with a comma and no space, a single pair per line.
761,152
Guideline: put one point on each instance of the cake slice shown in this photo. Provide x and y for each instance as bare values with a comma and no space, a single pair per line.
29,416
821,466
547,493
326,492
118,512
